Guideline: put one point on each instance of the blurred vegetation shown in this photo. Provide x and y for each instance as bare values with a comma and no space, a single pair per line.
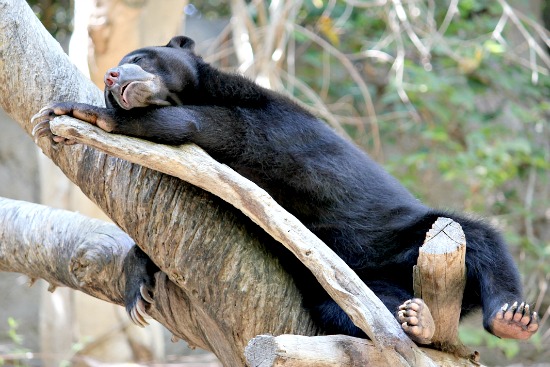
453,97
14,354
56,16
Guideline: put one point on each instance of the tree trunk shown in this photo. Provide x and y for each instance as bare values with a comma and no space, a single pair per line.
329,351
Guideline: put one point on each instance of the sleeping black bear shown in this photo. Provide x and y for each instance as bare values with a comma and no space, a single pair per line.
170,95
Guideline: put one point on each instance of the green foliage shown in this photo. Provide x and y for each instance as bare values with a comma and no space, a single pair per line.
478,114
12,331
476,337
483,146
16,353
510,349
56,16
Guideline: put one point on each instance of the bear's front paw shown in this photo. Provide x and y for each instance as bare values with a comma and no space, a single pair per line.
41,122
416,320
515,322
139,271
137,299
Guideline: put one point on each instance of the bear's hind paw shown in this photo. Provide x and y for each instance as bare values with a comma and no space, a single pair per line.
515,322
416,320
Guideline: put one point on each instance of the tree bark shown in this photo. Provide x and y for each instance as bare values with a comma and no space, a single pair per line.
63,248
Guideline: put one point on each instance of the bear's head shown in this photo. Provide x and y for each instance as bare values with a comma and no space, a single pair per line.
161,75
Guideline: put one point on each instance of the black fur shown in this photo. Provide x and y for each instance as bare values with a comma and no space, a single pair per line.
365,215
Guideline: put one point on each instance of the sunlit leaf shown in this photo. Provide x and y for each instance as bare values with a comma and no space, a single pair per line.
326,26
494,47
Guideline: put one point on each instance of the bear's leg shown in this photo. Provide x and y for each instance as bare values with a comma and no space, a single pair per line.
415,317
493,281
139,271
412,313
168,125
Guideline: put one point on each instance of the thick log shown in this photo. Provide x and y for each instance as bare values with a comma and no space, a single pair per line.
328,351
440,278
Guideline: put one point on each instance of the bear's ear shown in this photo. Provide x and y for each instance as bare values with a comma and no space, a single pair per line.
182,42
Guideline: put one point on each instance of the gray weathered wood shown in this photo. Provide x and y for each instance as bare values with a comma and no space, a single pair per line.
63,247
328,351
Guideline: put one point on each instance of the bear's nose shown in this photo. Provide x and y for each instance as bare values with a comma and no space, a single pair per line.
111,77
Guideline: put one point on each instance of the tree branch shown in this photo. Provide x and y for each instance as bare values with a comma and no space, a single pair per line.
69,249
63,248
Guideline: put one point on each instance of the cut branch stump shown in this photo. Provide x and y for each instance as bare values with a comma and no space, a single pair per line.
440,279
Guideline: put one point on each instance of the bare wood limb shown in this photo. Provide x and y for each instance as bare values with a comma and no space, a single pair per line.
191,164
62,247
328,351
69,249
440,279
